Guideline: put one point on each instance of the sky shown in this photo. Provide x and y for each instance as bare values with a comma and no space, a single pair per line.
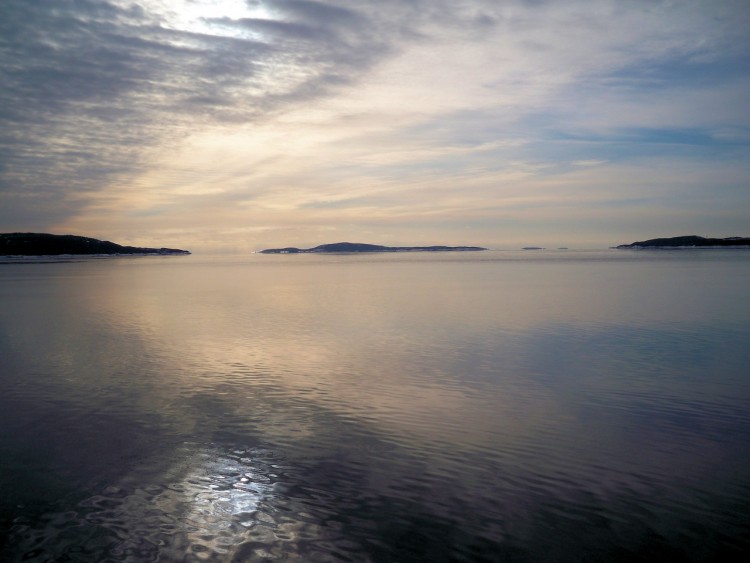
237,125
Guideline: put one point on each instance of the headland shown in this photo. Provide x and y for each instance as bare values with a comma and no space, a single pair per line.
690,241
44,244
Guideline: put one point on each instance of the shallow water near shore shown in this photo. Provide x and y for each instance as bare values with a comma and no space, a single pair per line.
500,406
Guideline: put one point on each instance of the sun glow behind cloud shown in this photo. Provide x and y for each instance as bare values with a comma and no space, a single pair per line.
199,16
300,122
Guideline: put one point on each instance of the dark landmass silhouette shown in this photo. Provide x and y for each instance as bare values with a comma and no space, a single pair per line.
43,244
351,247
691,241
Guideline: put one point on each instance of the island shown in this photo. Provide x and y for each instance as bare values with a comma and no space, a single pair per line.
690,241
352,247
44,244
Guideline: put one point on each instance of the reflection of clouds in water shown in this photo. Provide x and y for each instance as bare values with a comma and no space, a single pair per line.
211,505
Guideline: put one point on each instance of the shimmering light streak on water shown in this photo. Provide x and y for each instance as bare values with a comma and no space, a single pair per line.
551,406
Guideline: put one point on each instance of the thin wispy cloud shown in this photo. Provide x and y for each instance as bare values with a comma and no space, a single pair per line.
468,121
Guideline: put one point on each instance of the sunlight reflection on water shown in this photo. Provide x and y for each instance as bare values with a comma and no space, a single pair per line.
218,502
375,408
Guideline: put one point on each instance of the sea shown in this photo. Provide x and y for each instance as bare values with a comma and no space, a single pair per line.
530,406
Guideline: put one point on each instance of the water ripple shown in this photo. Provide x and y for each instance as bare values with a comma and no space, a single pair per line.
219,505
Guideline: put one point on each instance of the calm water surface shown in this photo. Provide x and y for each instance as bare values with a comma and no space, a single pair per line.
499,406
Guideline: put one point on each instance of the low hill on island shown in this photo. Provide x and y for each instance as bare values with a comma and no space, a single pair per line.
690,241
350,247
43,244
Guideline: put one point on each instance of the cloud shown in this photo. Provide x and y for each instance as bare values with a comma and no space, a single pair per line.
88,86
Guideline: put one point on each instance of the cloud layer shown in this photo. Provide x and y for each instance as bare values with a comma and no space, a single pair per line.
295,121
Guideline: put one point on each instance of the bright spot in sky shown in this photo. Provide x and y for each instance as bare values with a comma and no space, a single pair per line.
196,15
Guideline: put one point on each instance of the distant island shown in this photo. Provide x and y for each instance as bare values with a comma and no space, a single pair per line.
691,241
349,247
43,244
